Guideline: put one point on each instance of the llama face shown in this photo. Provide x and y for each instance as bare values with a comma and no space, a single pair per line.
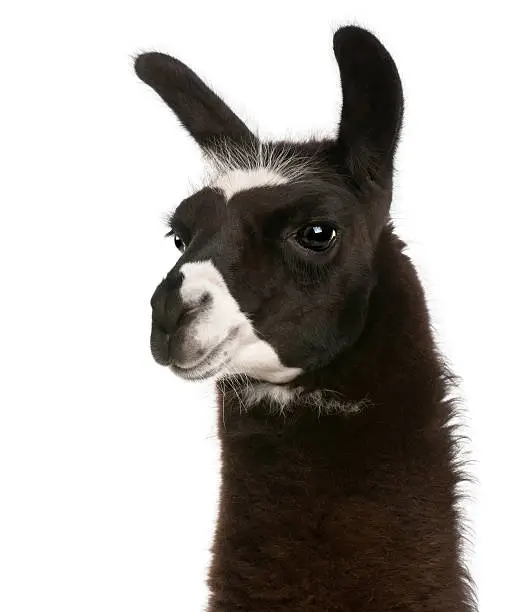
273,278
276,271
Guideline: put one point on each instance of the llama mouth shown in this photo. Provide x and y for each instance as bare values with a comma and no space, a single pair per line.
211,363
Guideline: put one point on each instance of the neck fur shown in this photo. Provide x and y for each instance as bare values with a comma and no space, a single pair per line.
339,492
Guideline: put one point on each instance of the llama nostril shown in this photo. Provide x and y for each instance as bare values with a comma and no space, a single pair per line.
204,300
198,305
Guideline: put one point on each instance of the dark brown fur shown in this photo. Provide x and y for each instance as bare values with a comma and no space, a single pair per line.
349,513
323,510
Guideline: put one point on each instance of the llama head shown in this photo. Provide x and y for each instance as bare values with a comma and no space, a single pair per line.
276,266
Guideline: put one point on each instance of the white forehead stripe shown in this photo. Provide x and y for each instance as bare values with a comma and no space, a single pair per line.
238,180
234,168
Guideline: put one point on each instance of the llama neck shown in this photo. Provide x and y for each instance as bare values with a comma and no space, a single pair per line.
347,510
394,364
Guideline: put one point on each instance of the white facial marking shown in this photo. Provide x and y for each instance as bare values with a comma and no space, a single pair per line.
223,313
241,180
236,168
244,352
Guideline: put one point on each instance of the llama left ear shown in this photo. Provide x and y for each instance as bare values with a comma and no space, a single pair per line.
372,109
205,116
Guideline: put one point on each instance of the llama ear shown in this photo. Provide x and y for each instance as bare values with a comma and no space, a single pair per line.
372,109
206,117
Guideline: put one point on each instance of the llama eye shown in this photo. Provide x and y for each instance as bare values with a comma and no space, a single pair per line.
316,237
180,245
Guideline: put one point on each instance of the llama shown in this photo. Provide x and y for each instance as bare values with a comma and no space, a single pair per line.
292,291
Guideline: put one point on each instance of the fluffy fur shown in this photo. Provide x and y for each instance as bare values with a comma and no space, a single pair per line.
235,167
340,487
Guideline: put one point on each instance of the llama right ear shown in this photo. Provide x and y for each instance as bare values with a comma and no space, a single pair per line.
205,116
372,109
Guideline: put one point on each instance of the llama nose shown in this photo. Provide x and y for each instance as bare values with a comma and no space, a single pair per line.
167,305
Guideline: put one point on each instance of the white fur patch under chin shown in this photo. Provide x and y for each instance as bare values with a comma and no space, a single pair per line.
278,396
246,353
281,399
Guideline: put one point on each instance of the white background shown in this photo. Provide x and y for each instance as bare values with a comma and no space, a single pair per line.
108,463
